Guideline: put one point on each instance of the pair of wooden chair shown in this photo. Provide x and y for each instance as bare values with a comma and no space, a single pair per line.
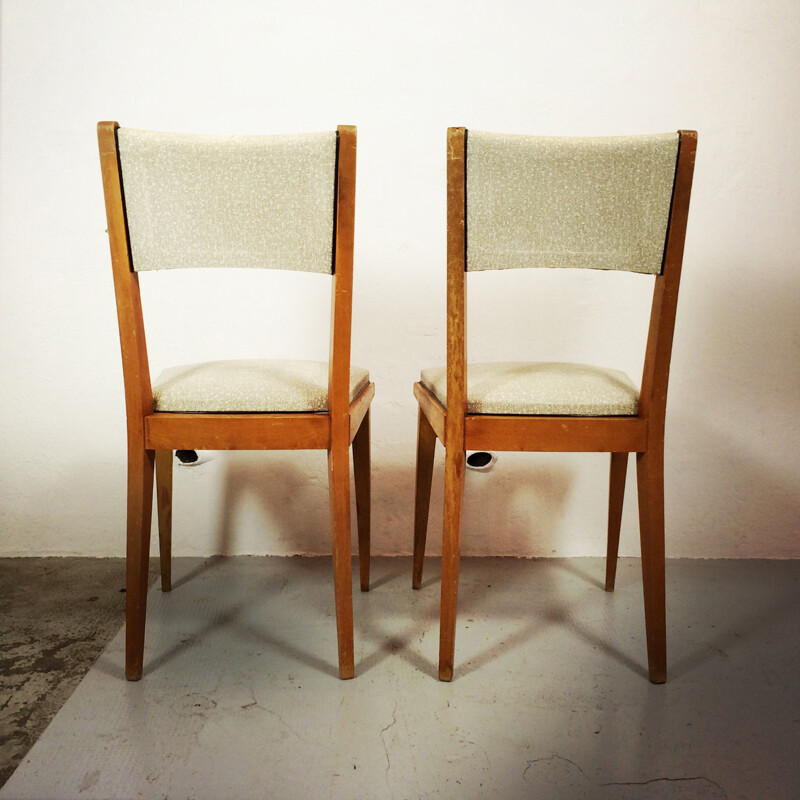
288,202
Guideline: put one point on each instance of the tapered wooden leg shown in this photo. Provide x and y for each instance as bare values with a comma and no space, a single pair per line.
164,500
362,480
426,447
140,512
616,494
453,495
339,488
650,477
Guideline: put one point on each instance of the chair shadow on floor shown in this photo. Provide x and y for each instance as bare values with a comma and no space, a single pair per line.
265,484
268,483
236,619
549,488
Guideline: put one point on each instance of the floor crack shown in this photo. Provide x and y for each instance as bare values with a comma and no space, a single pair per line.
383,741
552,758
255,704
668,780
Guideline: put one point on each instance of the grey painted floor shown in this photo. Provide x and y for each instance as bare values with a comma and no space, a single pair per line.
550,697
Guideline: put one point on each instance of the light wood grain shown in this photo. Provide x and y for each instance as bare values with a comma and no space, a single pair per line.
426,447
137,557
650,480
359,408
434,411
556,434
616,495
164,502
455,457
238,431
363,482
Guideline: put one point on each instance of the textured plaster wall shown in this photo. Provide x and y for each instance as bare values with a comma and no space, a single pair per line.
402,72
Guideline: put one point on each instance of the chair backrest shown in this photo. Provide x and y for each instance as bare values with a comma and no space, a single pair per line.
616,203
598,203
174,200
229,201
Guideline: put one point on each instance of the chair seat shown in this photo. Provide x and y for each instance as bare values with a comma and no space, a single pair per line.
531,388
249,386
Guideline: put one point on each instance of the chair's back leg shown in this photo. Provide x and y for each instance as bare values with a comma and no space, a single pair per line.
451,543
339,489
164,499
616,495
362,480
650,476
426,447
137,563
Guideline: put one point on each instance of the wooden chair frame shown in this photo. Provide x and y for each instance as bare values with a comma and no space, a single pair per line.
642,434
153,436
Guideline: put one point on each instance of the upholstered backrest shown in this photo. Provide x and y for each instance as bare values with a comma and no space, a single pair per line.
229,201
598,203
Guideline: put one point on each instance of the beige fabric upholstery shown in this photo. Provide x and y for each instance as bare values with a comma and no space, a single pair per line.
229,201
254,386
600,203
529,388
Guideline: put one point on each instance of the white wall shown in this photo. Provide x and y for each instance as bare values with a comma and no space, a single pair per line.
402,72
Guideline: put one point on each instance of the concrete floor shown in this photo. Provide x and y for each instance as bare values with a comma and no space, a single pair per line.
56,616
550,697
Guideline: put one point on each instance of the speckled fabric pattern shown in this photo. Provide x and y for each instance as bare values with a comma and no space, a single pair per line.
598,203
249,386
229,201
531,388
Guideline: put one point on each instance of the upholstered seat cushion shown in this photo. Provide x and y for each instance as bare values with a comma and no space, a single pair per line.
249,386
528,388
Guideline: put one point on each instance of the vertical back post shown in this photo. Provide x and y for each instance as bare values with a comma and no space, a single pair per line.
655,378
454,467
339,394
138,402
456,287
135,367
342,289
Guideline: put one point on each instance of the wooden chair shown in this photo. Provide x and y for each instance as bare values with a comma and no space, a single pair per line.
287,202
519,201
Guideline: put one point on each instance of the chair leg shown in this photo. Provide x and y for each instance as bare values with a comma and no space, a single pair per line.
426,447
140,512
164,499
650,478
339,489
362,480
616,494
453,495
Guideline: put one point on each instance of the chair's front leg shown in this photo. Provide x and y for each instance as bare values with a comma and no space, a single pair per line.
616,496
164,500
137,562
650,476
426,447
453,495
339,489
362,480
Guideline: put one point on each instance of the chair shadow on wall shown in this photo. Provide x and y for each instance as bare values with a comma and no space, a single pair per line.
265,484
